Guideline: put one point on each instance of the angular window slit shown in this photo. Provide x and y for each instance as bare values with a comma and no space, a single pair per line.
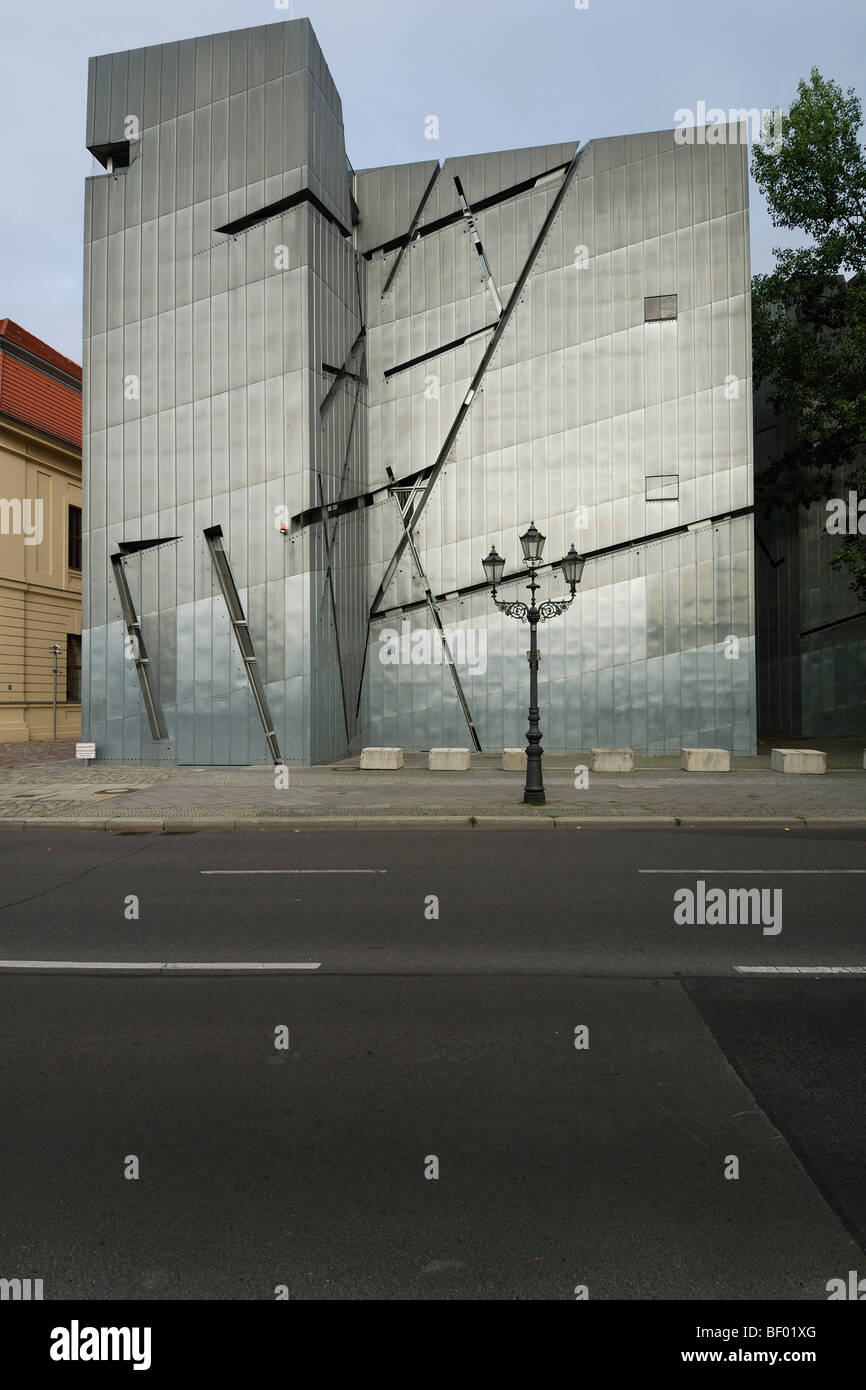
343,372
412,232
476,239
304,195
214,537
449,220
437,351
153,709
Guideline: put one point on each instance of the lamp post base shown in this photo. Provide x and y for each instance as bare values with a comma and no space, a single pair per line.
534,798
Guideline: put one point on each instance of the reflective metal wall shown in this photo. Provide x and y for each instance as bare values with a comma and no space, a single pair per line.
274,341
203,354
584,417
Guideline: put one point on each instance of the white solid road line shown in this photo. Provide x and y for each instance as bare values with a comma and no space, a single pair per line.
752,871
801,969
293,871
160,966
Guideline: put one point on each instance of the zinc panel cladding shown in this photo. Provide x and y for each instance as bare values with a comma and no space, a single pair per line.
698,433
208,359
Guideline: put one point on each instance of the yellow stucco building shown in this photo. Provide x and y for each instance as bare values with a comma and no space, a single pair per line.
40,538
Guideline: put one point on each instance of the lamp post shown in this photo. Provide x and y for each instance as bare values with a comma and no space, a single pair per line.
532,543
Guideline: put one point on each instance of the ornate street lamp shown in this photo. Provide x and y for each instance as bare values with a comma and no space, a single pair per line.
532,543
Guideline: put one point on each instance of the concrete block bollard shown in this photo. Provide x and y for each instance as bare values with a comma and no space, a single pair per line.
514,760
612,759
381,759
798,760
448,760
705,760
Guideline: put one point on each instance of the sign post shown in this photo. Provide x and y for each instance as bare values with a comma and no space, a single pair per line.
87,751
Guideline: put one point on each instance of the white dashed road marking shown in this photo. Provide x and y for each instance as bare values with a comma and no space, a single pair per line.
801,969
163,967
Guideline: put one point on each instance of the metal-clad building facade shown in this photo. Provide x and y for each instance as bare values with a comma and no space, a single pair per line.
400,367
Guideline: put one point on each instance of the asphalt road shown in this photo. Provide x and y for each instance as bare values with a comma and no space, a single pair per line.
413,1037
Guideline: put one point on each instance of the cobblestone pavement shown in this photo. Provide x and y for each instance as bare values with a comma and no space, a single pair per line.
54,784
23,754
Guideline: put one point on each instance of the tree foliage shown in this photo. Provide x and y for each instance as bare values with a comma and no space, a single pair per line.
809,315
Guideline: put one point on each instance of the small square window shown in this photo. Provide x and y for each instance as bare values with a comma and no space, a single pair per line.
74,549
658,307
663,487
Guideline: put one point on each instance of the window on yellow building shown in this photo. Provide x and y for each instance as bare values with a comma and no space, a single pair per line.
74,538
73,668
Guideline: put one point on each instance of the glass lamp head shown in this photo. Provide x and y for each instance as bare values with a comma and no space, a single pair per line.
532,542
572,567
494,567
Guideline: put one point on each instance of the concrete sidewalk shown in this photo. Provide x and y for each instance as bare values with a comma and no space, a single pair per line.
62,791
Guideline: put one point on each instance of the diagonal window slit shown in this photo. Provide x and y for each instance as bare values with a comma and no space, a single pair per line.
214,537
489,282
449,219
478,377
251,219
153,709
412,232
340,373
437,351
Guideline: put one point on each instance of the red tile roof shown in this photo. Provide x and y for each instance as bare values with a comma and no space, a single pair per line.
34,394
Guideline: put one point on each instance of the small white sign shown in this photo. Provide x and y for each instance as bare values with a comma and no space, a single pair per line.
85,750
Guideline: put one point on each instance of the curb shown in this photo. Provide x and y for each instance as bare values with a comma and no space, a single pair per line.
189,825
833,822
626,822
792,822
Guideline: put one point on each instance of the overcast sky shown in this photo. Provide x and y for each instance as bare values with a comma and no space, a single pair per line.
496,73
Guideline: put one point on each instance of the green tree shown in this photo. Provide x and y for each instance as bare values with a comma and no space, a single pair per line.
809,315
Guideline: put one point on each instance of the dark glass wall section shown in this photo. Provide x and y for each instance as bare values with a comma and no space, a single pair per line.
811,626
